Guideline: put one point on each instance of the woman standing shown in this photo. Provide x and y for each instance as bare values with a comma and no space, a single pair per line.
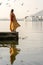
13,22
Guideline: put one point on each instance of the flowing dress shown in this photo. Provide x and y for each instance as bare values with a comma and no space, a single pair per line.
13,24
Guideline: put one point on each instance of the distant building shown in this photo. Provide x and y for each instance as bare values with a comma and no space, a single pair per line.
38,16
28,18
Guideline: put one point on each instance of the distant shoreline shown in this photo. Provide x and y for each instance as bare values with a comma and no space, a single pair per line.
3,19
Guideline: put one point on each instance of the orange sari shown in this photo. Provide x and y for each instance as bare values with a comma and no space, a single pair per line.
13,24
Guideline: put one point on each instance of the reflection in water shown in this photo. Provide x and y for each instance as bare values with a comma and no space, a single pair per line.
37,25
13,52
8,43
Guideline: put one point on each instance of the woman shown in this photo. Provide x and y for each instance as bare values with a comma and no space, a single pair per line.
13,21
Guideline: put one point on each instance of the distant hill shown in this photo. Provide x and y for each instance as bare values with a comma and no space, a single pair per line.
40,13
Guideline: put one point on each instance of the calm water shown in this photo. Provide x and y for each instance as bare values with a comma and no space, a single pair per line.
29,50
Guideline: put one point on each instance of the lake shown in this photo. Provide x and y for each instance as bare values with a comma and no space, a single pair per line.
29,50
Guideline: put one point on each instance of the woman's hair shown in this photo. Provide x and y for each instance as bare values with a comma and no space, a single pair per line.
12,10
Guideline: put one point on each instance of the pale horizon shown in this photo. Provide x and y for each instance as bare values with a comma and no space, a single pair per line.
21,8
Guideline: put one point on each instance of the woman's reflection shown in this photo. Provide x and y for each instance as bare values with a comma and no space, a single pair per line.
13,52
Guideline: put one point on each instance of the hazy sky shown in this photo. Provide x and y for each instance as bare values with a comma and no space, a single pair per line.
21,8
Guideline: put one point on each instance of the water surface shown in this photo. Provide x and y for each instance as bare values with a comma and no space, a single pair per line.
29,50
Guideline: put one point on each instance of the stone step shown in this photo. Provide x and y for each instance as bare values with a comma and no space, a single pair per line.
8,36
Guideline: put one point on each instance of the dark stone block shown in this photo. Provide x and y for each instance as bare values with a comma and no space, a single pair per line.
8,36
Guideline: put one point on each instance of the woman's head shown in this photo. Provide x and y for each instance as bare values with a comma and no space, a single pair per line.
12,10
